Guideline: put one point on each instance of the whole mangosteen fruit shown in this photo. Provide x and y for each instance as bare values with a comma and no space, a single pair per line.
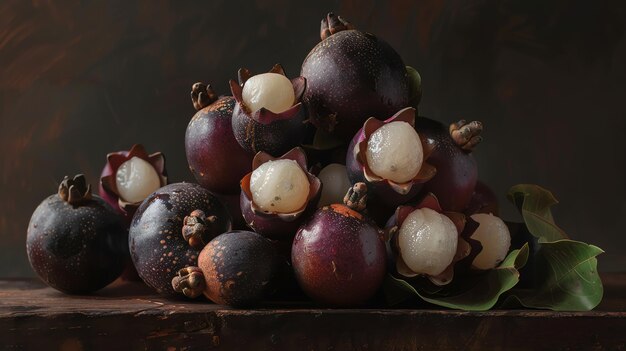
76,243
170,228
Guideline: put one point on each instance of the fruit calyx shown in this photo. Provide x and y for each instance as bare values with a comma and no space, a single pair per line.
466,135
189,282
332,24
196,227
75,190
356,197
202,95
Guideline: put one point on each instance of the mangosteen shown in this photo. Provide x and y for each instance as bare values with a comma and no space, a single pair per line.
427,242
483,200
214,155
339,255
76,243
129,176
457,171
237,268
269,115
170,228
391,158
351,76
495,239
279,194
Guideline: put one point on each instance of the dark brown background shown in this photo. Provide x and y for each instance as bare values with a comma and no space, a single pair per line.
548,79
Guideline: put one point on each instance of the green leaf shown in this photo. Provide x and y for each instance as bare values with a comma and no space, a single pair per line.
569,279
415,86
478,294
534,203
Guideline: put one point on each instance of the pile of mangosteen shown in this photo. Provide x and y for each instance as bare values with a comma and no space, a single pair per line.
300,185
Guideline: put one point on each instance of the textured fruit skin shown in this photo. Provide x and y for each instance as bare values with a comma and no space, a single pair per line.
457,171
157,246
276,137
351,76
239,268
215,158
339,257
76,249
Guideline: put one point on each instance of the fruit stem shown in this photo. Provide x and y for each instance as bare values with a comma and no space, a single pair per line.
332,24
202,95
356,198
189,281
196,227
75,190
466,135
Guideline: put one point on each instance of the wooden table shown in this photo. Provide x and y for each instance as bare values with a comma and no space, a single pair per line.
129,316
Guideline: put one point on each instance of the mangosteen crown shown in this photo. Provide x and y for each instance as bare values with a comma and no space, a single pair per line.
202,95
425,173
466,135
75,191
332,24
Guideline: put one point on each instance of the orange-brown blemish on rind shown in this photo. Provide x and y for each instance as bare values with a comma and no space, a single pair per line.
209,270
345,211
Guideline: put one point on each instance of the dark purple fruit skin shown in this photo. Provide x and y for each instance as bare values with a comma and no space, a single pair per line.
214,155
76,249
457,172
483,200
239,268
157,246
351,76
232,203
275,138
339,257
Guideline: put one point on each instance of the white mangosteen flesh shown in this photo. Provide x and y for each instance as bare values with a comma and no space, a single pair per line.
394,152
427,241
135,179
495,238
336,184
270,90
279,186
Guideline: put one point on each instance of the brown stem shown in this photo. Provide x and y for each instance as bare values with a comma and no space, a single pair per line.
332,24
356,198
196,228
189,281
76,190
466,135
202,95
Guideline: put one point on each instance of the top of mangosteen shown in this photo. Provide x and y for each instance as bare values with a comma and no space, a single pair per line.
202,95
75,190
332,24
466,135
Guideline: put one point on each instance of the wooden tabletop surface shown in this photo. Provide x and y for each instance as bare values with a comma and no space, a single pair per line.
130,316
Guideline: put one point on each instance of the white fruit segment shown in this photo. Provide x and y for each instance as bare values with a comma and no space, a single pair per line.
335,184
136,179
279,186
270,90
494,235
427,241
394,152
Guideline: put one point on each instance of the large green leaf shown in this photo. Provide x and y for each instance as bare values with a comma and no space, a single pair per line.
565,271
474,295
568,278
534,203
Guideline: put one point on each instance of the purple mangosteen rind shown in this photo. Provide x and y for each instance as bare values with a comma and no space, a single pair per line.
339,257
108,187
76,242
352,75
390,193
264,130
215,158
278,226
157,246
